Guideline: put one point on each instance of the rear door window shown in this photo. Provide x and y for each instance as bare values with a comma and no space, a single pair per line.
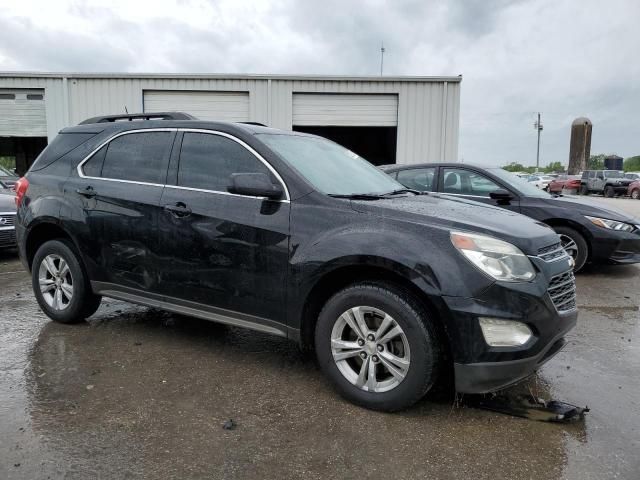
135,157
208,160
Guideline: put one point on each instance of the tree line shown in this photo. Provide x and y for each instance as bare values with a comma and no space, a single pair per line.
596,162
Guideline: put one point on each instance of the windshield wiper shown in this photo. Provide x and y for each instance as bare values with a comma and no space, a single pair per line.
406,190
357,196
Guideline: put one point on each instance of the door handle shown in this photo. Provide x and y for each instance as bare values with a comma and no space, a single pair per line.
178,210
87,192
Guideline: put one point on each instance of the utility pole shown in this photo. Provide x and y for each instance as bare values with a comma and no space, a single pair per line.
538,126
381,57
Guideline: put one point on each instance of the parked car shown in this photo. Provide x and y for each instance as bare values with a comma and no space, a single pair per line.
633,176
634,190
607,182
564,182
7,178
589,232
7,219
534,180
291,234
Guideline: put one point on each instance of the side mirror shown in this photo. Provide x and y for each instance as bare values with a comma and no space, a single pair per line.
254,185
502,196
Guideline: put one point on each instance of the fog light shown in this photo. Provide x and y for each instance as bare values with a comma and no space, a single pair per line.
504,333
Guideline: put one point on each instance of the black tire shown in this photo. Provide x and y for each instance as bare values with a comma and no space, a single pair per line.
420,332
584,190
609,191
83,302
582,254
635,193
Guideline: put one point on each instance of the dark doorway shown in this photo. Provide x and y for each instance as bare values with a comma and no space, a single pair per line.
21,151
376,144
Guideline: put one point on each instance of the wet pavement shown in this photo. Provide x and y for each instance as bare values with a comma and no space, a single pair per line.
138,393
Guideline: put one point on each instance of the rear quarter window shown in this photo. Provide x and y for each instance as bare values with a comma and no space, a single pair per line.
59,147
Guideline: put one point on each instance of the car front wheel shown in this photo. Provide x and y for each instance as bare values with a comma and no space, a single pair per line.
635,194
60,284
575,245
378,346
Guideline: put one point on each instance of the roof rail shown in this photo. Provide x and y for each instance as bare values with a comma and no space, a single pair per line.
130,117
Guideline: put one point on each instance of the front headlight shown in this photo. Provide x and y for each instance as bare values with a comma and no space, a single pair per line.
498,259
611,224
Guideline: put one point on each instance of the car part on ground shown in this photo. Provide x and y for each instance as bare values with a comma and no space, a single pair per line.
243,225
586,241
528,406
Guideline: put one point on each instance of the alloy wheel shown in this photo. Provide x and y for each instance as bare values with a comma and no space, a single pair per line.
569,246
370,349
56,282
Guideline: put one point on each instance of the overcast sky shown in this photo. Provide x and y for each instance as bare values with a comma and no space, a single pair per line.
564,58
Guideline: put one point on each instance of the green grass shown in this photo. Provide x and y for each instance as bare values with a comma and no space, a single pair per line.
8,162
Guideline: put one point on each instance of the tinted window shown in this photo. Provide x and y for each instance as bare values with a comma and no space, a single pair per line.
140,157
207,161
61,145
466,182
93,167
417,178
600,175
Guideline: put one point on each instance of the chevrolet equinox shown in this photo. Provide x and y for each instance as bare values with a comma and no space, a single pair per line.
293,235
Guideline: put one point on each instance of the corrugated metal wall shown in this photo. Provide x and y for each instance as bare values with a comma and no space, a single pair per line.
428,109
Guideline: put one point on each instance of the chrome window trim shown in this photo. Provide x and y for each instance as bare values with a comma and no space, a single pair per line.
219,192
248,148
110,139
193,130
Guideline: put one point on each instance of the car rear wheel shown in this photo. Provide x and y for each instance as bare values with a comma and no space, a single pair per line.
584,190
575,245
609,192
60,284
635,194
378,346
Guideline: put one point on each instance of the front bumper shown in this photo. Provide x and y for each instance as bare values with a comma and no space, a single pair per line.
487,377
7,237
481,368
610,246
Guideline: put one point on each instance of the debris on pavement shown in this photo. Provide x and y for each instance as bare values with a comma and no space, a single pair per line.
528,406
229,424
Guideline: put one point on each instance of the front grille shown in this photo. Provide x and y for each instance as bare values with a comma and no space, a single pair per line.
7,237
7,219
562,290
552,252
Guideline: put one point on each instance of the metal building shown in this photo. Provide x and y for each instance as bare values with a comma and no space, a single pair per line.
384,119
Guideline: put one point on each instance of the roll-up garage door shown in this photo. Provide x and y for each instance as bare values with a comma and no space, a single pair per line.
221,106
22,113
345,109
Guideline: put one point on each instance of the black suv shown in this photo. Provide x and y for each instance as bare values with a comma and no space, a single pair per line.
293,235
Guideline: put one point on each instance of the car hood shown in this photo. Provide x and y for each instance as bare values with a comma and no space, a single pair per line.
584,206
460,214
7,201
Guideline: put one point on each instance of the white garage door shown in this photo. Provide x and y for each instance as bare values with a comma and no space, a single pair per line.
22,113
221,106
345,110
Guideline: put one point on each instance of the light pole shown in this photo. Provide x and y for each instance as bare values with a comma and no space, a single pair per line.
381,58
538,126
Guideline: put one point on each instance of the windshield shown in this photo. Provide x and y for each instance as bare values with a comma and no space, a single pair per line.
613,174
519,184
330,168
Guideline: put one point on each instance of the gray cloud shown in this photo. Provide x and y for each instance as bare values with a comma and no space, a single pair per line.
559,57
